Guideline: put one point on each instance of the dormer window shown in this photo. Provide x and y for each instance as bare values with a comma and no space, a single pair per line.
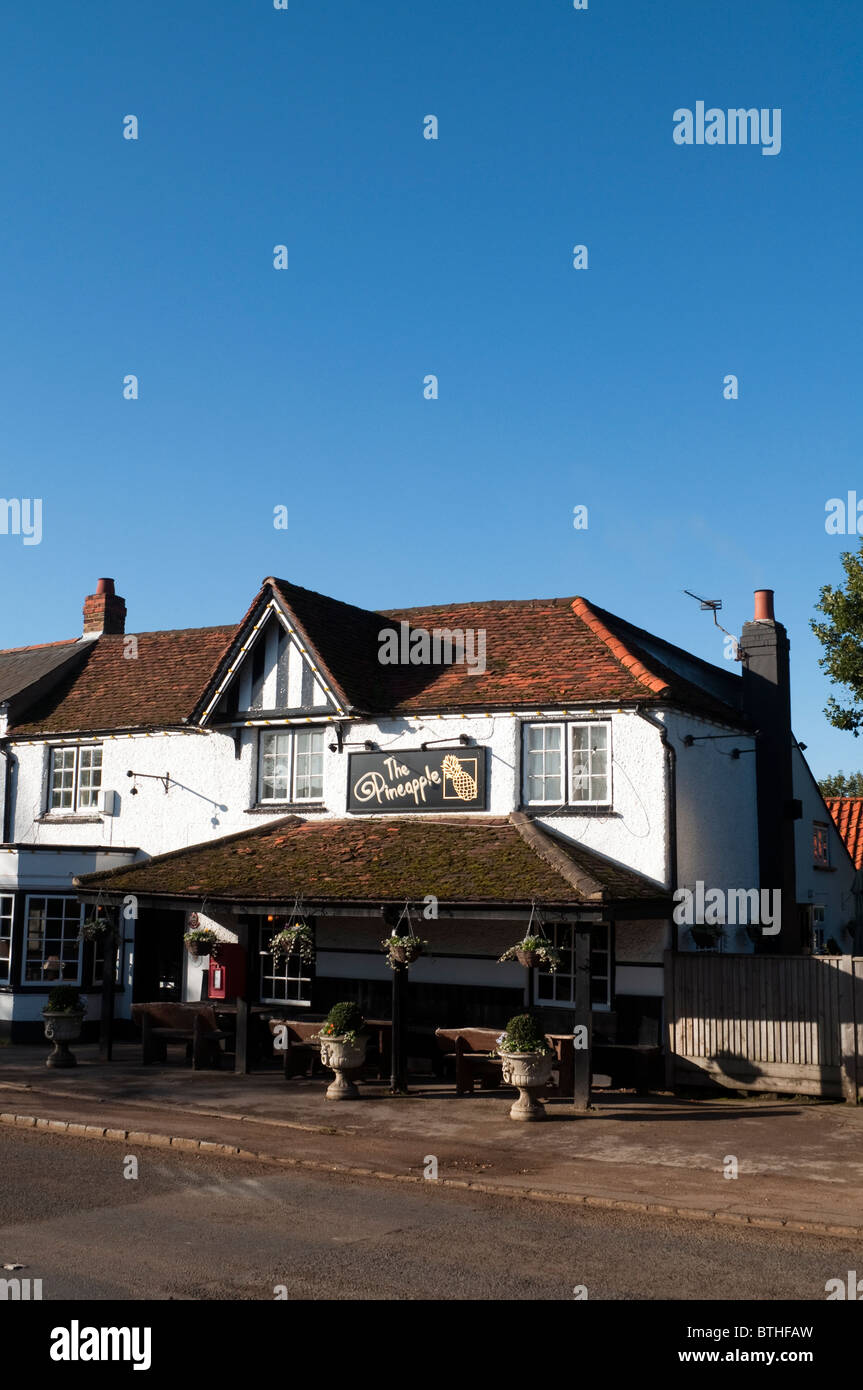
291,766
76,777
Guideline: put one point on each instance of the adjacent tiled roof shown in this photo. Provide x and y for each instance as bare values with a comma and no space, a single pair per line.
21,667
847,813
459,860
113,690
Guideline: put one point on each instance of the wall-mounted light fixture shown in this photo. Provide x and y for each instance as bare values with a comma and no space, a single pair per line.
462,739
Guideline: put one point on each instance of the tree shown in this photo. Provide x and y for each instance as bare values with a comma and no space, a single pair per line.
837,784
841,636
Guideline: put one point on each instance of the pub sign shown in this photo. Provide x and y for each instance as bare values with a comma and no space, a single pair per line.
440,779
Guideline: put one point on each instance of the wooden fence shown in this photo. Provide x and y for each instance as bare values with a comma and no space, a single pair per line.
765,1023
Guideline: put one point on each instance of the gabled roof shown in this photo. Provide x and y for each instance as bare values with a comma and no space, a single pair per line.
113,690
538,653
459,859
847,813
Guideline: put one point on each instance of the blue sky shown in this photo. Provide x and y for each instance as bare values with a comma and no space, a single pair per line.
304,387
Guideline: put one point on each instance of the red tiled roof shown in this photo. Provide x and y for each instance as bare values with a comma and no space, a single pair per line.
389,859
539,652
847,813
114,691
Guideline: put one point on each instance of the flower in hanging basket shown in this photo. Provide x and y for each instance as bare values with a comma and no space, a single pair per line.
533,951
200,941
94,927
402,950
297,940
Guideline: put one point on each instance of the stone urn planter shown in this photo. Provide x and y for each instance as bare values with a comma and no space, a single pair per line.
62,1029
342,1057
531,1073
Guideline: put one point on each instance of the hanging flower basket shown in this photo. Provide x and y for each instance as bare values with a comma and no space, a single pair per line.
533,951
94,928
403,950
296,940
200,942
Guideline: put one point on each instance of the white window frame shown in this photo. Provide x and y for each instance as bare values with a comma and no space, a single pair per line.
525,754
65,935
290,969
589,724
567,772
76,749
291,796
7,927
564,973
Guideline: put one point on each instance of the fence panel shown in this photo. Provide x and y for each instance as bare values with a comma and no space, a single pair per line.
765,1023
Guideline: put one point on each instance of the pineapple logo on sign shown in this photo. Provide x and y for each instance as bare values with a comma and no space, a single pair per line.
457,780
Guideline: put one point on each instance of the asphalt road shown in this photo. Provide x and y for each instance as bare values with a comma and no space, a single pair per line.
190,1227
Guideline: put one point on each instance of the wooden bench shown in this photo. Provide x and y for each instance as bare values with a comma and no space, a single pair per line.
194,1025
299,1052
302,1054
469,1048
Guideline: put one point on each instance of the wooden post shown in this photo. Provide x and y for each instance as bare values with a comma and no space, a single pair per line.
106,1021
245,936
669,1007
398,1079
847,1026
582,1067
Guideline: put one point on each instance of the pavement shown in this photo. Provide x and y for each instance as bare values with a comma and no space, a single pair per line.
798,1163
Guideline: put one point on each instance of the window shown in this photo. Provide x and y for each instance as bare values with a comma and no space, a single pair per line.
820,844
7,904
76,776
589,763
53,947
559,988
292,766
544,763
287,980
568,764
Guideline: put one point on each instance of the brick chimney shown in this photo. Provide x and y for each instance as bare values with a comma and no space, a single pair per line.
767,702
104,611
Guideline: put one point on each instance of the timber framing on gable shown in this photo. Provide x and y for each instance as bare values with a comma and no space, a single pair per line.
247,638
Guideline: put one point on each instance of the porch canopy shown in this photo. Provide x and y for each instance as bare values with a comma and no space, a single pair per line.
469,864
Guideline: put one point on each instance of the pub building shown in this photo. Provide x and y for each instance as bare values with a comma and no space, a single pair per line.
250,776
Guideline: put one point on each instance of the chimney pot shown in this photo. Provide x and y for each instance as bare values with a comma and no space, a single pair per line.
764,606
104,611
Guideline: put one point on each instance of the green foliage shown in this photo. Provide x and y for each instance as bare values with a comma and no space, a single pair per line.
201,936
837,784
343,1018
841,636
523,1034
65,999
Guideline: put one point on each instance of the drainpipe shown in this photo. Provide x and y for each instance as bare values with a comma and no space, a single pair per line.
670,805
7,792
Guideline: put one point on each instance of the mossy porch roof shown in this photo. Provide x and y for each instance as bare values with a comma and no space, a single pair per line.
388,859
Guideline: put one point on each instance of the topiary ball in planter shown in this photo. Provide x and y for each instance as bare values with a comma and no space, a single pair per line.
341,1049
527,1062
